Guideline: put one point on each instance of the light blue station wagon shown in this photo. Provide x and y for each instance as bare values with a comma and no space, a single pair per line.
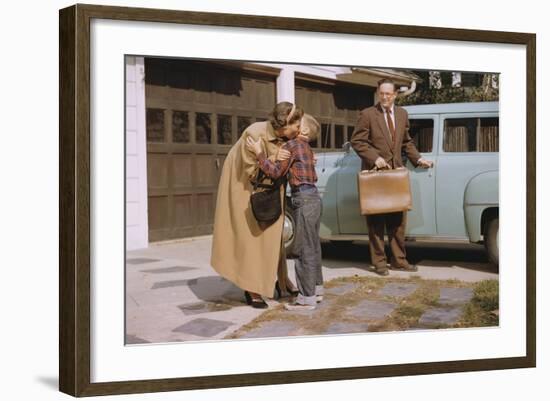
456,200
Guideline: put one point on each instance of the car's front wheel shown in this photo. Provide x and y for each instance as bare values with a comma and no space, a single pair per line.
491,240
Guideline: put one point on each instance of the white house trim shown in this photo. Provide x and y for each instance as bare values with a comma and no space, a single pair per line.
137,230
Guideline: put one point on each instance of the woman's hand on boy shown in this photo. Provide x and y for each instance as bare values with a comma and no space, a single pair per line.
283,155
254,146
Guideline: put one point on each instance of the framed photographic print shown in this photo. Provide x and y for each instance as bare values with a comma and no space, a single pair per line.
161,115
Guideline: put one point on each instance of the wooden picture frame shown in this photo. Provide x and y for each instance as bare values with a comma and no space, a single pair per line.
75,209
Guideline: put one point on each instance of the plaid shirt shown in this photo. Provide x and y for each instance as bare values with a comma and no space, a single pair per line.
300,164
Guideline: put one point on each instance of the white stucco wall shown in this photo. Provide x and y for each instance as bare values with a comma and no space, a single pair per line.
136,156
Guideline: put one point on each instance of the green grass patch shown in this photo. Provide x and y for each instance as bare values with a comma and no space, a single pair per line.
486,295
482,310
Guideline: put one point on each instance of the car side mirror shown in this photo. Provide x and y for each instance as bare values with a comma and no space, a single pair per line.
346,147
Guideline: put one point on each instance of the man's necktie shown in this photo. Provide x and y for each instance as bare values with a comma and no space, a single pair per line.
390,125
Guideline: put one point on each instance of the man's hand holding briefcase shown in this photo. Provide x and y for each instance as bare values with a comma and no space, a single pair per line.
386,190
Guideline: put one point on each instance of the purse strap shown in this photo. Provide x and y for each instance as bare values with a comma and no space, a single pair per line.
258,182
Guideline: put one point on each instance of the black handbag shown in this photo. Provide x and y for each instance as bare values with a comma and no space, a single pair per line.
266,203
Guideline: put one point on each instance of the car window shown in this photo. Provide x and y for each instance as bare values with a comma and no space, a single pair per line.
339,136
471,134
422,132
323,140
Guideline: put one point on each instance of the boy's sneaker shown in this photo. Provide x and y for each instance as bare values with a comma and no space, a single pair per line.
319,298
298,307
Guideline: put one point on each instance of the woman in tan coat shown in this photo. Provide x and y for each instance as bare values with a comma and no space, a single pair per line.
247,253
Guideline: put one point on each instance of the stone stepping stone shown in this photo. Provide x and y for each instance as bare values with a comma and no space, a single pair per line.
455,295
398,290
170,284
203,307
272,329
165,270
371,309
140,261
342,289
437,316
203,327
131,339
347,328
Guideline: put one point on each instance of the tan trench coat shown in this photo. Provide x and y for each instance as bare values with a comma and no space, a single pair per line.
242,251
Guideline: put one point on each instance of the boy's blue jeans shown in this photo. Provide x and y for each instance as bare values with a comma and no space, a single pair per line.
307,209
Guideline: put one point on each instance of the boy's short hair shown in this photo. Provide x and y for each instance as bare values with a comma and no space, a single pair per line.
310,126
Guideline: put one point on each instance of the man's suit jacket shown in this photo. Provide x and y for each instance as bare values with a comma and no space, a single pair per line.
371,138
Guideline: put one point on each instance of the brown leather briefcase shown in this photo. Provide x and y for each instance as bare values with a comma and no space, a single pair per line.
384,191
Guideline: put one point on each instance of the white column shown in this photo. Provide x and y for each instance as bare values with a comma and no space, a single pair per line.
285,86
137,227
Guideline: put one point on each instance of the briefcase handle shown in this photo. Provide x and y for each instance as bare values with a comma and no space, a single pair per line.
376,169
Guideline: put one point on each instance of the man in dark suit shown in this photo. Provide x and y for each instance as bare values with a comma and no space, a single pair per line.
380,136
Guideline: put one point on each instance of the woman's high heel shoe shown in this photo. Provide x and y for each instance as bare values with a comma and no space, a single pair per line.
277,290
255,302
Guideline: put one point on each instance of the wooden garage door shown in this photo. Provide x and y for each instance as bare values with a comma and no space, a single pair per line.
195,113
336,106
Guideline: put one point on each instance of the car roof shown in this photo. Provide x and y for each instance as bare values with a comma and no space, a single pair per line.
452,108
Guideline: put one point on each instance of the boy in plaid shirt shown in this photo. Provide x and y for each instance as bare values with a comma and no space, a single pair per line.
307,208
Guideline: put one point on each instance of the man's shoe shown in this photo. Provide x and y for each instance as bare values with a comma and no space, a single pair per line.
319,298
408,268
382,271
298,307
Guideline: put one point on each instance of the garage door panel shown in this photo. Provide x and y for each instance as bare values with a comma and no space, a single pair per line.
182,170
158,212
157,170
205,168
183,211
247,98
205,213
264,96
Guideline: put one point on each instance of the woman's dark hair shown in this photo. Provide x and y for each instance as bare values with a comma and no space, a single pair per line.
279,116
